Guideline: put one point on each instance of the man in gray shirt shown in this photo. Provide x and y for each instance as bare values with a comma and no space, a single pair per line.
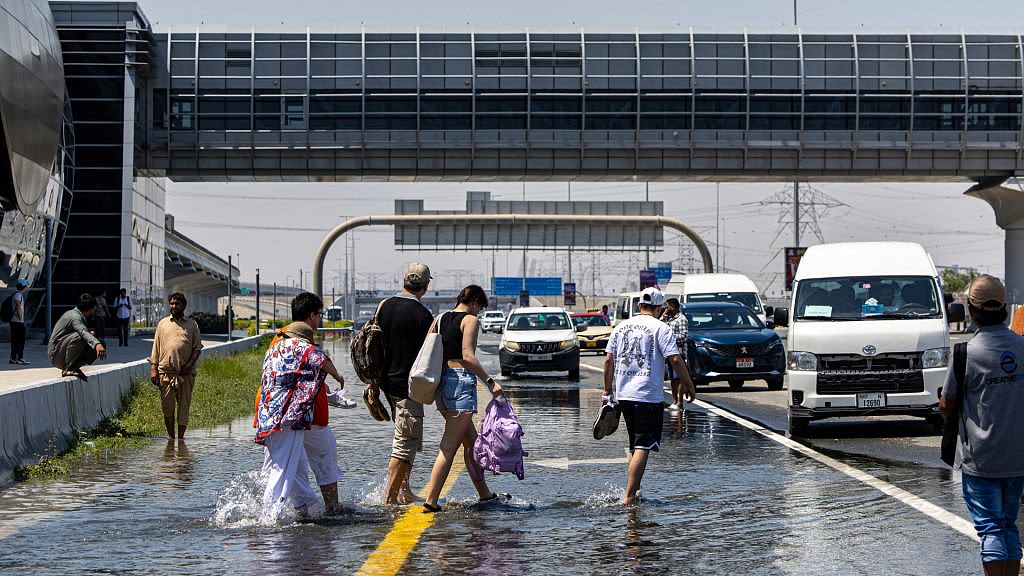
990,454
72,345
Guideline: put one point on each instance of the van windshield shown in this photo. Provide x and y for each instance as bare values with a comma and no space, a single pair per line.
748,299
867,298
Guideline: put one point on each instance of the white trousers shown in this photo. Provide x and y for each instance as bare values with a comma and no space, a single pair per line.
287,483
321,455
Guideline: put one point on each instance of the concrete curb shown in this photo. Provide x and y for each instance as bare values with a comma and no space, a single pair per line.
41,418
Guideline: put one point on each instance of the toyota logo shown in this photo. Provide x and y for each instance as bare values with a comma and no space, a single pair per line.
869,350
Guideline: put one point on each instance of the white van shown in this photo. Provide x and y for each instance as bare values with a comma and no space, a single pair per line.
627,305
694,288
868,335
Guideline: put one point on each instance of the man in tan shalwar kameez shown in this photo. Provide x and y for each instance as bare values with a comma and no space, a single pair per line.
176,348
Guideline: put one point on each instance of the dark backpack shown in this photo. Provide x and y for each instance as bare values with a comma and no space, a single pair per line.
368,351
7,309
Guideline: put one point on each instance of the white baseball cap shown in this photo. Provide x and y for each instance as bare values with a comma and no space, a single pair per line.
652,297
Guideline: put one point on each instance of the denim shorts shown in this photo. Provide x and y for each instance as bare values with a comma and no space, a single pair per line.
994,504
457,392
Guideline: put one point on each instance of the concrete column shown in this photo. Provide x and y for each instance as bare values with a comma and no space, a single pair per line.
1008,205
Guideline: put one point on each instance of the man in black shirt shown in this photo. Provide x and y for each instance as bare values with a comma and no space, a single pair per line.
405,322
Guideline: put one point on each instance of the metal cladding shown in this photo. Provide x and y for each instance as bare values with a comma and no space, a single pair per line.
31,100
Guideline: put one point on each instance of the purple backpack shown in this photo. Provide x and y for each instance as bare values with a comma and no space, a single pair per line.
498,447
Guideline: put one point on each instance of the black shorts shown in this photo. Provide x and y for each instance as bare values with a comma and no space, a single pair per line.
643,424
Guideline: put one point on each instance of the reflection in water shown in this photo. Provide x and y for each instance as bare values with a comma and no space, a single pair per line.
493,551
641,545
177,465
293,550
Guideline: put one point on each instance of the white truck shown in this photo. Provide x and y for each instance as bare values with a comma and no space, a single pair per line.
868,334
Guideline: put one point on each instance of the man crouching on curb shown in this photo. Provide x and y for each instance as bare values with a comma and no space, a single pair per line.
635,363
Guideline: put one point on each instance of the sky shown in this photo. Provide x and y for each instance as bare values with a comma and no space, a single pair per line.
277,227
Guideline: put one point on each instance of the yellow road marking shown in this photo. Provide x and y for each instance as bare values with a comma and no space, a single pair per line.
392,552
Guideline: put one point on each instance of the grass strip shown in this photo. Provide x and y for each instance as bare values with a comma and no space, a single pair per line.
225,389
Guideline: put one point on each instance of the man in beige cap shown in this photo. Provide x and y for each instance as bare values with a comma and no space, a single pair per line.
404,322
990,454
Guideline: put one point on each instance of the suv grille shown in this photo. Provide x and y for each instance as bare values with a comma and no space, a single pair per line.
740,350
850,374
539,347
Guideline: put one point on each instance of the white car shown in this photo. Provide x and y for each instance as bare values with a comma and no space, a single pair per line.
492,321
540,340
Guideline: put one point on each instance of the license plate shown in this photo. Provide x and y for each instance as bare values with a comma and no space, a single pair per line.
871,400
590,344
539,357
744,362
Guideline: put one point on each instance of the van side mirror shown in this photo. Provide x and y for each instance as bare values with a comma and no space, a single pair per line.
622,315
581,327
955,313
781,316
769,311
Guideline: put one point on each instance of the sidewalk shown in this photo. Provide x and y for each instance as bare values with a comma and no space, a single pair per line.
13,375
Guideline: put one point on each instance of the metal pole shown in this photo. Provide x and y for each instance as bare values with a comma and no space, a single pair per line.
571,237
647,251
300,279
49,281
257,301
274,327
228,315
796,214
794,13
718,240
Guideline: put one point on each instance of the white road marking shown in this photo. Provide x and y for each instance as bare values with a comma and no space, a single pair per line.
937,513
564,463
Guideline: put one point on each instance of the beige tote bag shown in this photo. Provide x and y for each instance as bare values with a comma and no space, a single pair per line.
425,375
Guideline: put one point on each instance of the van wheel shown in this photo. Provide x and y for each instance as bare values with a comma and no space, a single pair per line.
735,384
574,374
775,383
936,421
798,426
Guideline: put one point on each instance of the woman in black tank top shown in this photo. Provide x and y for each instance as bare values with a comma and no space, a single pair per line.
456,394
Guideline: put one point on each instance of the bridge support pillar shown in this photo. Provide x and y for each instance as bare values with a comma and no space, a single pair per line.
1008,205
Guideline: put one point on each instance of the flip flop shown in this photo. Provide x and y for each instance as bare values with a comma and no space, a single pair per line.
376,408
607,421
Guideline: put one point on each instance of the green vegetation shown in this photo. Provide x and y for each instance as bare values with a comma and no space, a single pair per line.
956,282
225,389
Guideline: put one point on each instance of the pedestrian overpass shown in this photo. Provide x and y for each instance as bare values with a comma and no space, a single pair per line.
416,105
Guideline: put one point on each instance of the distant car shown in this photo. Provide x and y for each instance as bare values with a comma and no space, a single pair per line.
596,331
727,341
539,340
492,321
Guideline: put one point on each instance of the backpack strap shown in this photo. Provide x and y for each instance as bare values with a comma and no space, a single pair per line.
960,372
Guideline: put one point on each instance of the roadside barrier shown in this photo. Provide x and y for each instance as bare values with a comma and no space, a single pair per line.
40,418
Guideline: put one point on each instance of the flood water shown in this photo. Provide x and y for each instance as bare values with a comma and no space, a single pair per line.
718,499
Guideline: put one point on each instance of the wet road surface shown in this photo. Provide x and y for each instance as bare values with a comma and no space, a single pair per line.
719,498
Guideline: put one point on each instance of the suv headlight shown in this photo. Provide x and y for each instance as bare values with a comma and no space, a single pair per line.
935,358
802,361
567,344
511,346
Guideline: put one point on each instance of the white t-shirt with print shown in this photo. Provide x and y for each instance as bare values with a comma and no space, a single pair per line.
639,347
